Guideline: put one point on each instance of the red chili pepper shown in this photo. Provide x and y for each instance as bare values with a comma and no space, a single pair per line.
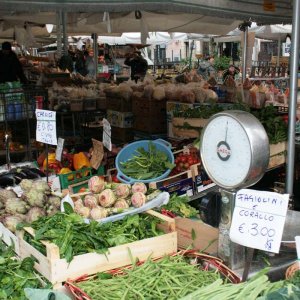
167,213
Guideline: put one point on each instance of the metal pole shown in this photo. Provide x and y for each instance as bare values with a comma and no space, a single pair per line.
58,34
278,51
95,47
245,53
294,58
64,29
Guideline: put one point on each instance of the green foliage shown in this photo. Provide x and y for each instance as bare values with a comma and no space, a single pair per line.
222,62
74,237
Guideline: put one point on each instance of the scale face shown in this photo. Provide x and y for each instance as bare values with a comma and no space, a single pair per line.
234,149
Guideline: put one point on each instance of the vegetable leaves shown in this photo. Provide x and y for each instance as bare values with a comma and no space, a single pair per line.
74,237
146,164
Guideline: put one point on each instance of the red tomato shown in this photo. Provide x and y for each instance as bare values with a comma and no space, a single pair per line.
115,179
191,161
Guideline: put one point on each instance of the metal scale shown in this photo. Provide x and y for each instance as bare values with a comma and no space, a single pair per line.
235,154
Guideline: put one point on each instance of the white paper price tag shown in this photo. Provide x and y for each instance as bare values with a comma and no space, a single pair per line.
106,134
59,149
46,126
258,219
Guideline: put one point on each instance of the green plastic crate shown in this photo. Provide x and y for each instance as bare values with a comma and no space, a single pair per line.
79,176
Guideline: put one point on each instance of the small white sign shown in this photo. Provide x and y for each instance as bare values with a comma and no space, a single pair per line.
59,149
258,219
106,139
46,126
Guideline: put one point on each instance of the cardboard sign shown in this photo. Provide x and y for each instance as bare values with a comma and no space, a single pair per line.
46,126
59,149
97,155
106,134
258,219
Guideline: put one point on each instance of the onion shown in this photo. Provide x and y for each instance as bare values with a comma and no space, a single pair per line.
122,190
84,211
106,198
121,203
138,199
96,184
98,213
90,201
139,187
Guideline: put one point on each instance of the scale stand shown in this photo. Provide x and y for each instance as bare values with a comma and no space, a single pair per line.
234,255
231,253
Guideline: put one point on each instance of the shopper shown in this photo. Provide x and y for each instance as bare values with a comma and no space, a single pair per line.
230,72
206,68
89,63
138,64
10,67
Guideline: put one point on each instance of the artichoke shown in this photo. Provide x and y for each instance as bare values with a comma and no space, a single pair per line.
11,222
26,184
36,198
6,194
40,186
54,201
16,205
34,213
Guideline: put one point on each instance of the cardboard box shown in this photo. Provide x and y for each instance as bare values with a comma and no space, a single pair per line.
201,179
120,119
118,104
182,184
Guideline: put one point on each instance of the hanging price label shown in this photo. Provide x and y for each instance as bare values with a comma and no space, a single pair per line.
258,219
46,126
59,149
106,134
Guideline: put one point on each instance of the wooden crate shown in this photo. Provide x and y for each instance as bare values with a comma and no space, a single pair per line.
9,238
149,108
58,270
277,154
193,130
118,103
196,234
150,124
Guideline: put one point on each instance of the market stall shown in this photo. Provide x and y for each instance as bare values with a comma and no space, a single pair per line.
105,209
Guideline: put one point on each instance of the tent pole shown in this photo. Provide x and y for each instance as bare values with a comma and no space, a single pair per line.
293,98
278,51
95,48
58,34
245,53
64,29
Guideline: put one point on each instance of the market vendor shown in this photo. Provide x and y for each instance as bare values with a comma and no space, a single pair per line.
10,67
138,65
231,71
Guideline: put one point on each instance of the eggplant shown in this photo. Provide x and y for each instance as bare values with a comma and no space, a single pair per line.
7,180
38,172
29,174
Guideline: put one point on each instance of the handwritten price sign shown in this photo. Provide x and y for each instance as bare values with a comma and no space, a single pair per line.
46,126
258,219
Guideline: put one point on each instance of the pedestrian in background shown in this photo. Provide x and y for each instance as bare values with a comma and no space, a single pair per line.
10,67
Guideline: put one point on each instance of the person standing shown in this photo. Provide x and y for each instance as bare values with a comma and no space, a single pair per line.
138,65
10,67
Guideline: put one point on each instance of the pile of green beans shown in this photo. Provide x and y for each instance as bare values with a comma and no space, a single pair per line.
169,278
248,290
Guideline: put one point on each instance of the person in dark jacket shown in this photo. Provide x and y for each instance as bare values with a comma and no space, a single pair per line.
138,65
10,67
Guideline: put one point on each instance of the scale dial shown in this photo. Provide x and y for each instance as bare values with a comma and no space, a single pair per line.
234,149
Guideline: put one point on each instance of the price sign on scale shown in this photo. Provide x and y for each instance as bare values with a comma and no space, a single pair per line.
258,219
46,126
